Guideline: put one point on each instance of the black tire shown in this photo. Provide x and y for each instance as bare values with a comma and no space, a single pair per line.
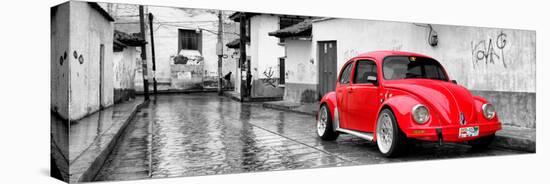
399,140
327,133
482,142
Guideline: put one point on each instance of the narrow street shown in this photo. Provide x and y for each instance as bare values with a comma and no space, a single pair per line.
202,134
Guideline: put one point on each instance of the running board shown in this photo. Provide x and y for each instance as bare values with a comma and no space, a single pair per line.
364,135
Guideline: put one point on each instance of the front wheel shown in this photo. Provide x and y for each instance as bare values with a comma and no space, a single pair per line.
389,138
325,129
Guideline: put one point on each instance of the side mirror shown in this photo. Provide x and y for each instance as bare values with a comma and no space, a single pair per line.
454,81
372,79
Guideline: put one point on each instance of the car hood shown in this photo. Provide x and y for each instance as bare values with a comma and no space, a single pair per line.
449,100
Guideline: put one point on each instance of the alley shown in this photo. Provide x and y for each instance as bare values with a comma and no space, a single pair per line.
202,134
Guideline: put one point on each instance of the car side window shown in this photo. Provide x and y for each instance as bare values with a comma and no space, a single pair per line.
344,78
363,70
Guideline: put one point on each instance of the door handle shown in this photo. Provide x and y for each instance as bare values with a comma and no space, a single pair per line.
350,90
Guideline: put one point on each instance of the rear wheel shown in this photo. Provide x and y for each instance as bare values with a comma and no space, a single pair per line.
389,138
325,129
482,142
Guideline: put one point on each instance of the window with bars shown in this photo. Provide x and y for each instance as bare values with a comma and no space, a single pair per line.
189,40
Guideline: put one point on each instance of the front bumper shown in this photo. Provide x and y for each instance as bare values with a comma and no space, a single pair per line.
451,133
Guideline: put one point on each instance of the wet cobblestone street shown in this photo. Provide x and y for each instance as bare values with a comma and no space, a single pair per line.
203,134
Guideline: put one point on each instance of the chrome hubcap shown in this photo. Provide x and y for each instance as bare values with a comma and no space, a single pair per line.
322,121
384,133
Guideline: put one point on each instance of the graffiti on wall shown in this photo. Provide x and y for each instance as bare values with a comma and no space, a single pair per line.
125,71
490,51
269,79
348,54
396,45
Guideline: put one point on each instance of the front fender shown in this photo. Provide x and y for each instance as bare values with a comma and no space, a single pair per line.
401,107
478,102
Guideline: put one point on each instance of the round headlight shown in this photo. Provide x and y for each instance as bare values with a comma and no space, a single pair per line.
488,111
420,114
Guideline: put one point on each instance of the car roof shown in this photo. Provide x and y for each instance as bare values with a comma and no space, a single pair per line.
381,54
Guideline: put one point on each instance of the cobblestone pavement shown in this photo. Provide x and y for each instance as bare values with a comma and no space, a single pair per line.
203,134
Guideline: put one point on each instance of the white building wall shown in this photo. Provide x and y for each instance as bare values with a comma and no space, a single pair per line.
265,54
59,60
124,66
456,50
299,65
166,37
300,72
88,30
167,21
265,49
498,64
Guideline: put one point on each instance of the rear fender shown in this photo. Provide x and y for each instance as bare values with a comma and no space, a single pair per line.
330,101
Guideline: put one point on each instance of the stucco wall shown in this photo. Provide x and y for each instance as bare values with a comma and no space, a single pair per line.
512,68
167,21
300,72
299,64
88,30
59,60
125,64
265,53
498,64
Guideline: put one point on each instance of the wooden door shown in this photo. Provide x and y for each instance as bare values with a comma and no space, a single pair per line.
327,66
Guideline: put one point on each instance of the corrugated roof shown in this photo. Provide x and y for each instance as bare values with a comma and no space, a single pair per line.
300,29
128,39
235,43
236,16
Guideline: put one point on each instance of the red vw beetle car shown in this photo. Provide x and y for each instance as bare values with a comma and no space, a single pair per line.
390,97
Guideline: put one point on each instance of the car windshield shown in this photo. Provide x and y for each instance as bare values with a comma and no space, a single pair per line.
408,67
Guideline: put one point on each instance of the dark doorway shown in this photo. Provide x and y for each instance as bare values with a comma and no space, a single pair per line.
282,70
326,51
101,72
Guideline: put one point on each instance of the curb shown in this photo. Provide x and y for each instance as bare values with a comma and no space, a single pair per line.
288,109
501,140
515,143
98,162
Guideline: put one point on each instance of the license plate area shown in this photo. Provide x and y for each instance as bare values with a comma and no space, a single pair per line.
468,132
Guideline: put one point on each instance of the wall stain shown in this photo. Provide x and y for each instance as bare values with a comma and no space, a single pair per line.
62,58
81,59
308,96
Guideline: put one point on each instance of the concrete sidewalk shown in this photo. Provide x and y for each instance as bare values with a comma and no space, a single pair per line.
92,138
516,138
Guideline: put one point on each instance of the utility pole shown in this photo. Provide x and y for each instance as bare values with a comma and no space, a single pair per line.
219,50
143,54
153,54
242,58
